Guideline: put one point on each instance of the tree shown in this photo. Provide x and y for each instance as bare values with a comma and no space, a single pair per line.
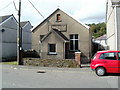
97,29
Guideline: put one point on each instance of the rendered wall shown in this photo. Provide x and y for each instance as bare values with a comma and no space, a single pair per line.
118,27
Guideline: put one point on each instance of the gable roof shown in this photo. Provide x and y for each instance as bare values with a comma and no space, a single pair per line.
104,37
22,24
86,26
45,19
114,2
6,17
53,14
3,18
60,34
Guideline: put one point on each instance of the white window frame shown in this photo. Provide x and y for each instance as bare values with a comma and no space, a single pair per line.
74,41
52,53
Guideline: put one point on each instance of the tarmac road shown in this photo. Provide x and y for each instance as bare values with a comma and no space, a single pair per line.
43,77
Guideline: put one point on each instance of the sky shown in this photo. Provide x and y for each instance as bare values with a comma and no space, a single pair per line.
86,11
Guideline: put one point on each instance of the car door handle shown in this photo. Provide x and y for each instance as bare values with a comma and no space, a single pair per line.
105,61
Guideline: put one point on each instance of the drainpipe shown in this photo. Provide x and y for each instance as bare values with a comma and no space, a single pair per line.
116,38
64,50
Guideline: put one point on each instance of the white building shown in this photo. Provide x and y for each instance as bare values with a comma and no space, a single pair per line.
102,41
8,36
26,35
113,24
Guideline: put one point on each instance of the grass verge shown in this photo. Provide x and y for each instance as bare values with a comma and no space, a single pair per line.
10,63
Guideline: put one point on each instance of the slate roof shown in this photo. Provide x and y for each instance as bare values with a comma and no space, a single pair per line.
51,16
3,18
22,24
102,37
45,19
115,2
60,34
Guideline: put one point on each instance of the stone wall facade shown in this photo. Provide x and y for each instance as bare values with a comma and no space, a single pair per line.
50,62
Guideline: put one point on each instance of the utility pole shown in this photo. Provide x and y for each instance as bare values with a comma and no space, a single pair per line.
19,37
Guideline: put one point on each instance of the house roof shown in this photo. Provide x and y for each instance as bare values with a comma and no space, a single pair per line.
102,37
22,24
3,18
6,17
45,20
51,16
115,2
60,34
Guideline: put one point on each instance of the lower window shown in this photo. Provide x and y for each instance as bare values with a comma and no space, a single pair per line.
51,48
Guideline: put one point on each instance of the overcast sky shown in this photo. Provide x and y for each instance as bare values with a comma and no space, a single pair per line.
87,11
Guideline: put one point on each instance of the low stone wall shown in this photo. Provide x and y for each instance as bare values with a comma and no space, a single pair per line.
50,63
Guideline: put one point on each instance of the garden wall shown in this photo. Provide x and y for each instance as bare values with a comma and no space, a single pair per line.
50,63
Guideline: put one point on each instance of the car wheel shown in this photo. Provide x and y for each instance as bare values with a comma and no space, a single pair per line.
100,71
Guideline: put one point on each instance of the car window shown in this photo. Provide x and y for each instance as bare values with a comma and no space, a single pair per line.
108,56
94,56
119,56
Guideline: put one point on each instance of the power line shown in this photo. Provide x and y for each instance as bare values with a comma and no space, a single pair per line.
6,6
15,5
36,9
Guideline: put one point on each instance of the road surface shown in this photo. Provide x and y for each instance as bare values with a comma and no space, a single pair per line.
43,77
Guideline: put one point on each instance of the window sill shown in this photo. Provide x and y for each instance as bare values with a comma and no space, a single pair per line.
74,50
59,21
52,53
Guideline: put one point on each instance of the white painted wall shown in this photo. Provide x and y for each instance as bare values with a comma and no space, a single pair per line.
9,39
9,50
102,42
118,26
27,36
111,27
0,41
0,44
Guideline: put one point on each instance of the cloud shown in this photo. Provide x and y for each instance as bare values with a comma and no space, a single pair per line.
92,12
87,11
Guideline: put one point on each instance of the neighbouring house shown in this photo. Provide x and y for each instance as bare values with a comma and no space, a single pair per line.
113,24
102,41
26,35
59,36
8,31
8,36
99,44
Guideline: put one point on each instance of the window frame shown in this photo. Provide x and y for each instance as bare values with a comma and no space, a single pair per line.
58,18
118,55
49,50
115,54
41,36
74,39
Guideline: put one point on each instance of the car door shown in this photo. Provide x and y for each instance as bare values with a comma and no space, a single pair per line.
118,62
110,61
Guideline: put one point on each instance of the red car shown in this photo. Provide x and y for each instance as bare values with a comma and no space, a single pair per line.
106,62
